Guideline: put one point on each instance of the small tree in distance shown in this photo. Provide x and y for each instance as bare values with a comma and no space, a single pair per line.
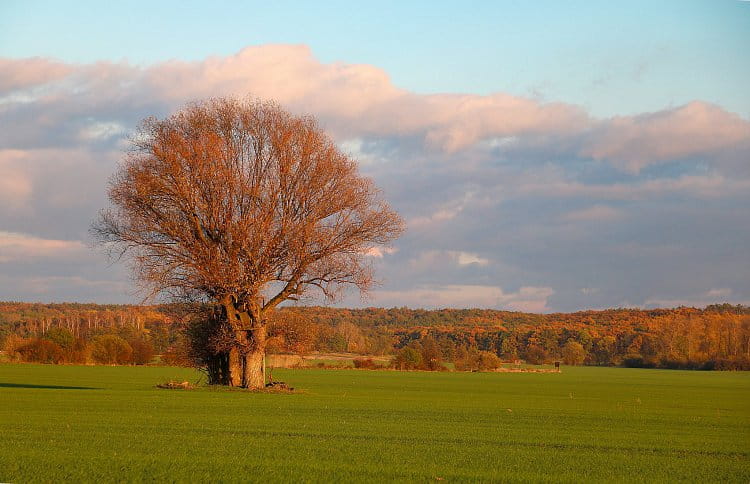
242,205
573,353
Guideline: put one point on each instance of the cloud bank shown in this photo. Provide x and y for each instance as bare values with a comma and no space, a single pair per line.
510,202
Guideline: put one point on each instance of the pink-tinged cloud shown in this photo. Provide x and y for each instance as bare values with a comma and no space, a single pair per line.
15,182
352,100
695,129
463,120
15,247
343,94
28,73
380,252
288,73
53,177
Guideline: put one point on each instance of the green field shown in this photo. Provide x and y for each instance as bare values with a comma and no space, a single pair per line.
70,423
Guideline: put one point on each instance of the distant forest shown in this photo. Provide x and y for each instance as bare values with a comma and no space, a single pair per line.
716,337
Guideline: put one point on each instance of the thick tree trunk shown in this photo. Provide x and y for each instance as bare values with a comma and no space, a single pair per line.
236,360
245,366
254,367
246,359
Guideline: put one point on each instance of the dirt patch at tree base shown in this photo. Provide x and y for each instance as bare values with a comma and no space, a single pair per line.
524,370
174,385
278,386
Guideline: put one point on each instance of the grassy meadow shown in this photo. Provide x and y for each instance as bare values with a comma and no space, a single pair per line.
74,423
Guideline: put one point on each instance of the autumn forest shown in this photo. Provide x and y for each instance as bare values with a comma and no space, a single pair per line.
714,338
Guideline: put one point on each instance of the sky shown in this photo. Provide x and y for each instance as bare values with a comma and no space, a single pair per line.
546,156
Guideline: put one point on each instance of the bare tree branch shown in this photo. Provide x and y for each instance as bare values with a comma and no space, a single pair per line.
226,200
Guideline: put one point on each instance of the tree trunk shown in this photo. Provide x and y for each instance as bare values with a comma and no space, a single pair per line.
254,367
246,359
236,360
245,366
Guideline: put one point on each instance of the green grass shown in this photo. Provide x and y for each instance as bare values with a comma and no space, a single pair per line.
586,424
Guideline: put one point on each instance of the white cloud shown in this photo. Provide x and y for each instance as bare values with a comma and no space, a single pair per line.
466,258
101,130
428,260
380,252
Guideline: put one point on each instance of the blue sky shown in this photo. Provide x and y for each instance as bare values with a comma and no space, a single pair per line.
610,57
547,156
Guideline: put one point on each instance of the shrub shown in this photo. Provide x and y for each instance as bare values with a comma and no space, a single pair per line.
79,352
432,357
488,361
367,363
536,355
291,332
407,358
143,351
637,361
60,336
675,364
12,344
474,360
177,355
41,351
111,350
738,363
573,353
463,359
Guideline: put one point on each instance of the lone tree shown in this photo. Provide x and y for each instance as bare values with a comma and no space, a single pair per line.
242,205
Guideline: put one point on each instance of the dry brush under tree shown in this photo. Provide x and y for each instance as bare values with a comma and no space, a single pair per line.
244,206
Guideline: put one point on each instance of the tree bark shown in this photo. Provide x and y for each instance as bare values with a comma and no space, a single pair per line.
246,359
246,356
254,367
236,360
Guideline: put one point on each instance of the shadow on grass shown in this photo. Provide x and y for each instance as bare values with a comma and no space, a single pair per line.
50,387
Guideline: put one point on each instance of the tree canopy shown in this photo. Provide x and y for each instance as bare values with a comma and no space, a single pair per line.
242,204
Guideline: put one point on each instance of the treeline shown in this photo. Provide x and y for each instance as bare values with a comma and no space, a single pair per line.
717,337
89,333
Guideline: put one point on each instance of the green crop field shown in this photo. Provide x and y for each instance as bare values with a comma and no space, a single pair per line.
73,424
